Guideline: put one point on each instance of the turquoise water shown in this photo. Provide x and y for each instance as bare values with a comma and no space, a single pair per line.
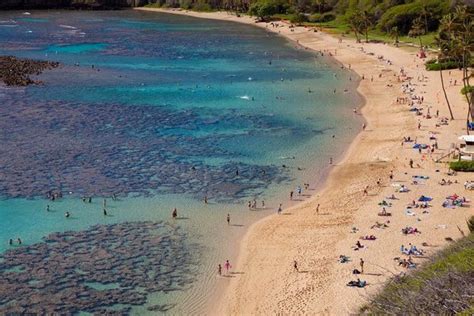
163,111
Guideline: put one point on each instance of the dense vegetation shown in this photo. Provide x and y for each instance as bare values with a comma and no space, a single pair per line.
443,286
386,16
465,166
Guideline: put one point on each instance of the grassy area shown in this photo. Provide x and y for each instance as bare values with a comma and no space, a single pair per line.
336,27
153,5
444,285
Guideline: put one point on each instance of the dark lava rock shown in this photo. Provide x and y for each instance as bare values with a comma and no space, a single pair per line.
16,71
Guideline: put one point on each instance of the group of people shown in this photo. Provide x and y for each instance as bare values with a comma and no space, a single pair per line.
11,242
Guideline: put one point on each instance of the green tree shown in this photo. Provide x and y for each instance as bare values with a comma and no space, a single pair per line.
395,34
417,30
356,24
366,22
444,41
464,42
320,4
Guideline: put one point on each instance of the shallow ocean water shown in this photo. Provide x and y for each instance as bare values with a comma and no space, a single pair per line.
163,110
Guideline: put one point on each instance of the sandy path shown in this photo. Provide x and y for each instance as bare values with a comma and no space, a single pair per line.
266,282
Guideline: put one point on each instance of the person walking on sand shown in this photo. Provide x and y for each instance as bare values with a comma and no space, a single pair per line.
361,265
175,213
291,195
227,266
279,210
411,163
295,265
317,209
228,219
219,269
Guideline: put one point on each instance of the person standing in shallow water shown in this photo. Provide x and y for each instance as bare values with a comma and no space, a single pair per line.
175,213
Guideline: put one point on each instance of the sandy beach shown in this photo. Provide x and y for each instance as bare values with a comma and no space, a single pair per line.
265,281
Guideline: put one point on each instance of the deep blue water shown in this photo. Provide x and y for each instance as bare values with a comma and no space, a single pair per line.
162,111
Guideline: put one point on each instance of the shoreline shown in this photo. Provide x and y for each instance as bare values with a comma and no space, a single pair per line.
266,282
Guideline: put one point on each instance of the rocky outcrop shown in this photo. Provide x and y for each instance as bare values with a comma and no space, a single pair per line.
83,4
16,71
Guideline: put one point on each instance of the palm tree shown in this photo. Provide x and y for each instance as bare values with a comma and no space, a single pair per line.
425,13
444,42
464,37
417,29
366,19
320,4
356,24
394,33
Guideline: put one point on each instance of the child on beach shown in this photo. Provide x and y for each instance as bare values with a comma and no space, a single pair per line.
227,266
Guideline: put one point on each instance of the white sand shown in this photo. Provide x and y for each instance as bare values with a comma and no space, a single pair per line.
267,283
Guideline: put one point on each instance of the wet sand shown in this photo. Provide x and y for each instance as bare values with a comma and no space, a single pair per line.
266,282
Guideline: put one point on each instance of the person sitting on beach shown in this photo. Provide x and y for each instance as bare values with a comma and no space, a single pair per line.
380,225
414,251
392,197
358,246
368,237
404,250
357,283
384,212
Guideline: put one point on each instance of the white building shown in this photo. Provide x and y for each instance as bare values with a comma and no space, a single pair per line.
467,147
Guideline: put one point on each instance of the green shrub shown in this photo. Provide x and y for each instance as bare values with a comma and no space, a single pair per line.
202,5
441,286
403,15
468,89
321,18
465,166
298,18
265,9
443,65
470,224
